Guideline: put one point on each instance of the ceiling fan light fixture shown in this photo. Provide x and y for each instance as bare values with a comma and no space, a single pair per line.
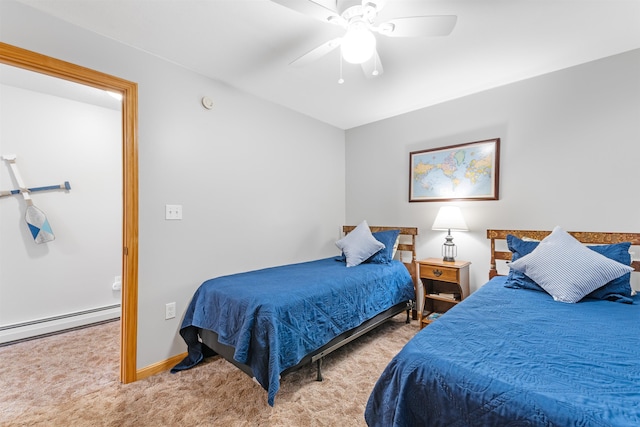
358,44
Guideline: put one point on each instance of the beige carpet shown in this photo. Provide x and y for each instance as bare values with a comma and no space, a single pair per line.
72,380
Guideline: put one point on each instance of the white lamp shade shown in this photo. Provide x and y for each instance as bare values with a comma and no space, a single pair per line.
449,218
358,44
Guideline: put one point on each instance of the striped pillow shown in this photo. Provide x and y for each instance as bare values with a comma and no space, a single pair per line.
567,269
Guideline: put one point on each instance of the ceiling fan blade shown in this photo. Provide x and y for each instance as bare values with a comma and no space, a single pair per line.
311,8
416,26
373,67
317,52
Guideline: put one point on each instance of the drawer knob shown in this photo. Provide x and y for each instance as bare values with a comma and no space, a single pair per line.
437,272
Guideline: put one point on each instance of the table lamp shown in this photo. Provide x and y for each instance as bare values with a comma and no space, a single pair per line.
449,218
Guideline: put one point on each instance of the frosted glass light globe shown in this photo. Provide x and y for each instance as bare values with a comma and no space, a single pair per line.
358,45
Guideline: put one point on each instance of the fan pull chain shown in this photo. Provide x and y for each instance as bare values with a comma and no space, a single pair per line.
375,71
340,80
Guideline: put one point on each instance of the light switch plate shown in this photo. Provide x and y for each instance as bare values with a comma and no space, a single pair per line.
170,310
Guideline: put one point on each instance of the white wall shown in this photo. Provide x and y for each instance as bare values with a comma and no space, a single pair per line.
569,157
57,140
260,185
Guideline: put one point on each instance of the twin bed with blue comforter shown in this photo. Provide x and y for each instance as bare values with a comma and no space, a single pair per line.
512,354
269,321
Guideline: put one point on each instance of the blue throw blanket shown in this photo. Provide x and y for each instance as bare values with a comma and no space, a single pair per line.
275,316
516,357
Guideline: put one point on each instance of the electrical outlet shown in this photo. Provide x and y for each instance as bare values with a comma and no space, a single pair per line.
172,212
170,310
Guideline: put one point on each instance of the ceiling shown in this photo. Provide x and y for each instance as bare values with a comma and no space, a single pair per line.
42,83
248,44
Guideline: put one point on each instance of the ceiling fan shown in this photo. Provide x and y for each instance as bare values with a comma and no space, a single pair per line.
360,21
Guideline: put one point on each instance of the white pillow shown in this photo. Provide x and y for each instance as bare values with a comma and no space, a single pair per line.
567,269
359,245
395,248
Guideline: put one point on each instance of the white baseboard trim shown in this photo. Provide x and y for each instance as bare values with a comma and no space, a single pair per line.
31,329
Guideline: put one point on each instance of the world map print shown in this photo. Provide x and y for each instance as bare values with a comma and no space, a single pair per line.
459,172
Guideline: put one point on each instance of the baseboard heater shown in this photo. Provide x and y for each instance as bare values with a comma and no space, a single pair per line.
10,334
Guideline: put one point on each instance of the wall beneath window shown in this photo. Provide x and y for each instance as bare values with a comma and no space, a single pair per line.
570,150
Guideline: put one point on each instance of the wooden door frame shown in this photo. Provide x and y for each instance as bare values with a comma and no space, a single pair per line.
32,61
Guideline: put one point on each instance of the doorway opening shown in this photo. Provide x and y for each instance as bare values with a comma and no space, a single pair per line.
36,62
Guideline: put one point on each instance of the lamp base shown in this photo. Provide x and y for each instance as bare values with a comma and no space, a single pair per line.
449,250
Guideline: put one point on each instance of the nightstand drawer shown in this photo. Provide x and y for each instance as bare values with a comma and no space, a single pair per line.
444,274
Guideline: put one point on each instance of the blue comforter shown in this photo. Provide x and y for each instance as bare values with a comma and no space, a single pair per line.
274,317
516,357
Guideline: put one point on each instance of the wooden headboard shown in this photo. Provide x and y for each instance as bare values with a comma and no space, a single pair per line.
586,237
407,242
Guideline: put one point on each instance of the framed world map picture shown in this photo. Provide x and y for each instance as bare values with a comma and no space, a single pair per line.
457,172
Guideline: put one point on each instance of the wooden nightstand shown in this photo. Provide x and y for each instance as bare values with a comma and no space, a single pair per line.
445,285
